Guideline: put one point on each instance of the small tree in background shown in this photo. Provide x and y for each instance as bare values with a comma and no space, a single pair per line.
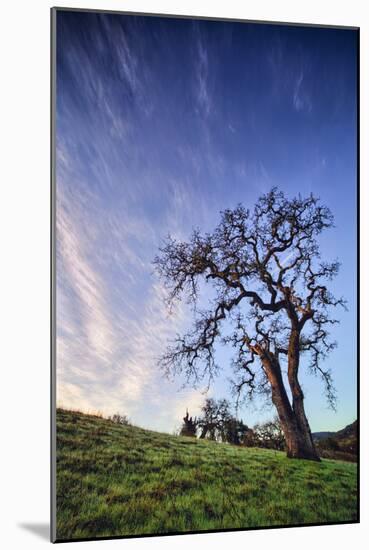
209,421
189,426
218,424
270,435
235,431
250,438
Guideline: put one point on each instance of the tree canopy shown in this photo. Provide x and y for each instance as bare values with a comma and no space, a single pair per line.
271,283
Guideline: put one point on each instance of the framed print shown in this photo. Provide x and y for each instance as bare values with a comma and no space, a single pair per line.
204,275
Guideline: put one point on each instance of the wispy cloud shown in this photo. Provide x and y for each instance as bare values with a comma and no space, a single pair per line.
111,319
112,322
202,69
301,99
106,357
289,71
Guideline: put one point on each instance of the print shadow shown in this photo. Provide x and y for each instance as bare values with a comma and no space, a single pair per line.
42,530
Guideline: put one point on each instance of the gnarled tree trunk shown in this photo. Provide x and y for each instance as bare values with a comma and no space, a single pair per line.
293,420
298,396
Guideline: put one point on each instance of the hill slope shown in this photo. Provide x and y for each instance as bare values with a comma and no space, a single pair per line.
342,444
123,480
348,432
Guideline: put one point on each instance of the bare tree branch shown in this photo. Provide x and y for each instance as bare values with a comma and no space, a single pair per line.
269,283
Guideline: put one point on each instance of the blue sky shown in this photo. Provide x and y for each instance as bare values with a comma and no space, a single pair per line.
161,124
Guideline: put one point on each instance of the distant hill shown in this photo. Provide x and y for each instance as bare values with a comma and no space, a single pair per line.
322,435
349,431
341,444
117,479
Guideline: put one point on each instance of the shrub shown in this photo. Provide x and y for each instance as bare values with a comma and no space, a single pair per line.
119,419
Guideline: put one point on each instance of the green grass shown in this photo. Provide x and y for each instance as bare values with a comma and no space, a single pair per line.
123,480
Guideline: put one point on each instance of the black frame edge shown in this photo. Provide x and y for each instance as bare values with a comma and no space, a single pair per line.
53,13
358,339
206,18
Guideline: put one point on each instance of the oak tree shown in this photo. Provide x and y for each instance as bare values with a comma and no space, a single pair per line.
270,283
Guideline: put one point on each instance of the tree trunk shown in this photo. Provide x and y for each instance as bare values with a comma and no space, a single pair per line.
294,423
204,431
298,396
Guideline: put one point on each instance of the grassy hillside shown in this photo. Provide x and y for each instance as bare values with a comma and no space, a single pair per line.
123,480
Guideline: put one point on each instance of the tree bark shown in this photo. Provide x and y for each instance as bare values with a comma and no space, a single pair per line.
298,396
293,420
